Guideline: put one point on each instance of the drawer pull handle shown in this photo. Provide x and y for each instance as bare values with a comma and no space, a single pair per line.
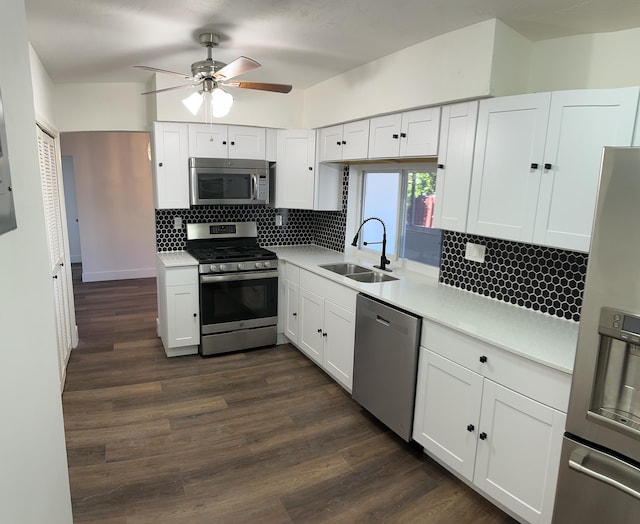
483,359
534,165
470,427
319,330
483,436
295,314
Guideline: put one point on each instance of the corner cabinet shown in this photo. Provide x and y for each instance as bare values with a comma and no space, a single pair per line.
455,160
494,419
301,183
319,319
178,309
408,134
537,163
344,142
170,159
227,141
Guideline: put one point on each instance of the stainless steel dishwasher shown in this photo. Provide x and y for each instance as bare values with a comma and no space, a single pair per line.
385,363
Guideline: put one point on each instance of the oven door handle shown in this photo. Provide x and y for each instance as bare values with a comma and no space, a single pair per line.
258,275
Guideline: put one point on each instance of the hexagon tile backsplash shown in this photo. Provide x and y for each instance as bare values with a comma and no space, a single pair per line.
541,278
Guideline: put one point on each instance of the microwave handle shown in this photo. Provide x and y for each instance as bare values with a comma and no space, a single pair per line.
254,187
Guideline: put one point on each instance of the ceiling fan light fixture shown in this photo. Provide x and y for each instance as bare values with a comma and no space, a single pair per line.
193,102
221,102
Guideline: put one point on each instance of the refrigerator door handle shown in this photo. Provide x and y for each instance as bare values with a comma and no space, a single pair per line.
580,456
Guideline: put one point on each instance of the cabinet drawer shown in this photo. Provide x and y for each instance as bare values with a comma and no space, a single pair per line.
546,385
338,294
182,276
292,272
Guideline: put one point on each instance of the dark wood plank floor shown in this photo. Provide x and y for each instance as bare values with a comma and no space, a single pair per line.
259,436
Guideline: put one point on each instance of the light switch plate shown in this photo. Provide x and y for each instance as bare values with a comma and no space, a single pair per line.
475,252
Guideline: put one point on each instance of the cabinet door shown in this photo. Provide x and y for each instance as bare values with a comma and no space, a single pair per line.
295,178
208,140
447,411
183,325
355,140
580,124
455,154
419,132
311,324
517,460
247,142
170,165
291,311
504,185
384,136
330,144
339,338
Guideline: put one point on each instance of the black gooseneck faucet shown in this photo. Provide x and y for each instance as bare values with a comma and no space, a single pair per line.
383,258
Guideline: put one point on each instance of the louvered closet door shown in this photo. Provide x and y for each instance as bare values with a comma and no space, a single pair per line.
53,220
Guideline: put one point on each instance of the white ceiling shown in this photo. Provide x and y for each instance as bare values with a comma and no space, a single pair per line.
299,42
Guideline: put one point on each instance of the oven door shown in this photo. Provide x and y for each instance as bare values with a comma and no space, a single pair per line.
238,301
223,186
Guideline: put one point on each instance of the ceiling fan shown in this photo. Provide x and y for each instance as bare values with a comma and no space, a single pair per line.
211,76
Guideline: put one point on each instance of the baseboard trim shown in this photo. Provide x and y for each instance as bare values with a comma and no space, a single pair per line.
99,276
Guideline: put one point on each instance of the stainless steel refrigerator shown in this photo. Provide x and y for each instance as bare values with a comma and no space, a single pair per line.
599,477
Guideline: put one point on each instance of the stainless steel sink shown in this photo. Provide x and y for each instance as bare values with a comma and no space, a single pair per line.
345,268
371,277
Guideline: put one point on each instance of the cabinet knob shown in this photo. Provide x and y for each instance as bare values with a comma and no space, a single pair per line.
159,164
394,136
344,142
403,135
55,276
310,168
548,166
338,142
483,436
483,359
295,314
324,334
233,143
195,315
224,142
319,330
470,427
440,166
534,165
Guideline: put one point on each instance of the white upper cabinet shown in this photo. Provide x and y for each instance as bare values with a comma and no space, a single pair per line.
225,141
344,142
170,165
301,183
408,134
537,163
580,124
455,160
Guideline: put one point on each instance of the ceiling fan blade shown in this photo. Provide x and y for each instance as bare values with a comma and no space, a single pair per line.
276,88
156,70
239,66
170,88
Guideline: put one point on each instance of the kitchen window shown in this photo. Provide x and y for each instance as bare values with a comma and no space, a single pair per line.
404,198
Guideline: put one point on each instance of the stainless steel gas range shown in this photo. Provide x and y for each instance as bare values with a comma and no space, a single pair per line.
238,287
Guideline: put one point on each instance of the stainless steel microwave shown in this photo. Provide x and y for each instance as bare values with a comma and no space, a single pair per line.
227,181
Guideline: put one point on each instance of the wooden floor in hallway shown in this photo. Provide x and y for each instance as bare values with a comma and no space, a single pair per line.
261,436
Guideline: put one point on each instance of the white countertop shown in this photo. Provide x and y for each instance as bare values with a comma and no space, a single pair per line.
548,340
176,258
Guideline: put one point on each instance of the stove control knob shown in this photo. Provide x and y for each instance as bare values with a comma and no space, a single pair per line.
223,267
241,266
267,264
213,267
258,265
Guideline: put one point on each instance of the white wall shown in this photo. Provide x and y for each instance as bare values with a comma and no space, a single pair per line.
453,66
42,91
511,62
599,60
112,172
34,483
101,107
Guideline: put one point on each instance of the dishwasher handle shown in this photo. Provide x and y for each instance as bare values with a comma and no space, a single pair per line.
383,321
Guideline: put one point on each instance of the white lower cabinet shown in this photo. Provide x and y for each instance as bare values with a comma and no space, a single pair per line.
322,322
502,442
178,309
